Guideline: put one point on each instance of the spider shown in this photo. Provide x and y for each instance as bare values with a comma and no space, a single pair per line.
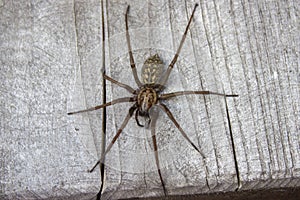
149,94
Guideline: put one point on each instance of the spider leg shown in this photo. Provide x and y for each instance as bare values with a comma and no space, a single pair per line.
137,119
170,115
132,63
127,87
167,74
130,113
119,100
174,94
153,124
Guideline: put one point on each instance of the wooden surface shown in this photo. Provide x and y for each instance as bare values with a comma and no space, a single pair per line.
51,64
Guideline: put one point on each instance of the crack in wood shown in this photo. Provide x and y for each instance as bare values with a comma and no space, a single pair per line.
233,148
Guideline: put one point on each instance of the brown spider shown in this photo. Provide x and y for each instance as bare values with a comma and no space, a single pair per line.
148,95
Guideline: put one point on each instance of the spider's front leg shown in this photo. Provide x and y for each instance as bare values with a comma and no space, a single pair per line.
132,63
165,78
119,100
127,87
181,93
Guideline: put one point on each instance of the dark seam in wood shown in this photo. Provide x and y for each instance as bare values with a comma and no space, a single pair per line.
233,148
227,112
103,134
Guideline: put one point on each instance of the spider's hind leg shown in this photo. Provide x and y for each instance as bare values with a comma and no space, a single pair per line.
170,115
153,119
125,122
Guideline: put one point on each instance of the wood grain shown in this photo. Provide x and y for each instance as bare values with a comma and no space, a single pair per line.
51,63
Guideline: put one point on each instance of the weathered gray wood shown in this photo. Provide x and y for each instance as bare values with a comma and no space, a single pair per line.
266,124
51,64
41,154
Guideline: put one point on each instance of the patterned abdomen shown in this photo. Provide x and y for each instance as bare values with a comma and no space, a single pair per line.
152,69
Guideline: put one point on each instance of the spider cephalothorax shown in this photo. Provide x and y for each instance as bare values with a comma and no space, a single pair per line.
148,95
146,99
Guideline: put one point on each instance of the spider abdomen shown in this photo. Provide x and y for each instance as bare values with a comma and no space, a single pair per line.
152,69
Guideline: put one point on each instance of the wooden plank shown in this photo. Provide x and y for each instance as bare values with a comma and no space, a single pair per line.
41,154
268,139
161,34
51,64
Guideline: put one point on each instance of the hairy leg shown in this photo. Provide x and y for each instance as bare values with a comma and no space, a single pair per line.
132,63
170,115
154,117
130,113
174,94
120,100
167,74
127,87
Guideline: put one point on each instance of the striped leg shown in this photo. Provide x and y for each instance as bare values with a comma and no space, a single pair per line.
174,94
127,87
170,115
165,78
130,113
153,124
132,64
120,100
